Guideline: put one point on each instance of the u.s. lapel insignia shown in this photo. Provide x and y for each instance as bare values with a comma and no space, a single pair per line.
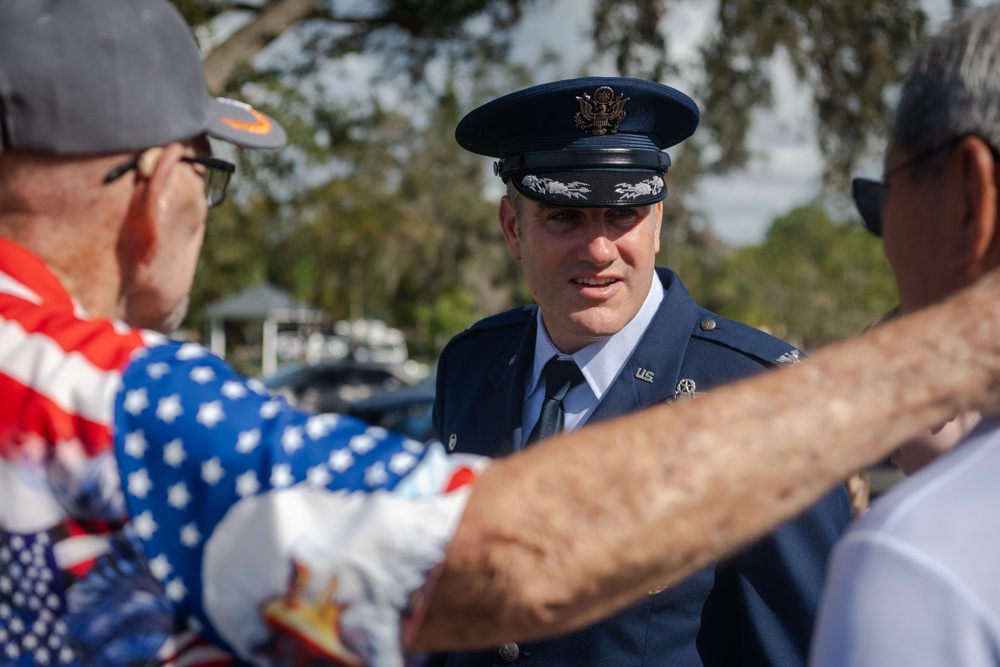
452,442
644,375
601,112
685,388
512,360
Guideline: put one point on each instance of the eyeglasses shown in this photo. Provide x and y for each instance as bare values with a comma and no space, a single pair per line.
870,195
216,176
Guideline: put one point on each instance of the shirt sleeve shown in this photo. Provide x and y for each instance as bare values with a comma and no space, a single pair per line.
888,603
281,535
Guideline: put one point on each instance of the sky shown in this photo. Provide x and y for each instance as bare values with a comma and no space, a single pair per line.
786,170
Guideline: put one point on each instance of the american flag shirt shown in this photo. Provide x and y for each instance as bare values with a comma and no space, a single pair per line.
157,508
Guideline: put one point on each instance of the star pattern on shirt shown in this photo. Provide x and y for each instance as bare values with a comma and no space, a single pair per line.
31,602
215,438
169,408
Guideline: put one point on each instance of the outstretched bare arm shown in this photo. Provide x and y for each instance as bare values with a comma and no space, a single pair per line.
583,524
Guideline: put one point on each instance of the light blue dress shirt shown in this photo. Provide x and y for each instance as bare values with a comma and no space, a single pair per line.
600,362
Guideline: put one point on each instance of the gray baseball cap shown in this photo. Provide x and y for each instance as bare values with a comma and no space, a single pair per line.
108,76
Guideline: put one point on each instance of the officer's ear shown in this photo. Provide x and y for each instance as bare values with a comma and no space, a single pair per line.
510,223
658,222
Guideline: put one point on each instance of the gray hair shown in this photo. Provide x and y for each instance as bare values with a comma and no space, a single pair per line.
953,87
516,203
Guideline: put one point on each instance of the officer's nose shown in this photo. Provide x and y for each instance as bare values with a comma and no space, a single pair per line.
597,247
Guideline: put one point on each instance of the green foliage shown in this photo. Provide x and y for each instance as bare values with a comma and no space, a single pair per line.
812,281
376,212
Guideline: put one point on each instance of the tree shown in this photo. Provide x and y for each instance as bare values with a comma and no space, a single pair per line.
812,281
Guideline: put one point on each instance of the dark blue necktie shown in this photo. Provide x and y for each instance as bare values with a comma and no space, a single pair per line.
560,375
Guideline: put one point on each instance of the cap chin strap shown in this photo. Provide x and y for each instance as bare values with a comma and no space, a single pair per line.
571,160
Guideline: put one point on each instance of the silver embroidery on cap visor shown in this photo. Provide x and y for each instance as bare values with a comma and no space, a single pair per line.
578,189
548,186
651,186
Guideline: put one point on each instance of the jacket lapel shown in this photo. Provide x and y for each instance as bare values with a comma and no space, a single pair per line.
500,414
651,374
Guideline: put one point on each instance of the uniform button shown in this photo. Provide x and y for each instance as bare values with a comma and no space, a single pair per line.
708,324
509,651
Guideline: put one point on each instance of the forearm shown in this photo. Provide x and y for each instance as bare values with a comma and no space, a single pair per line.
581,525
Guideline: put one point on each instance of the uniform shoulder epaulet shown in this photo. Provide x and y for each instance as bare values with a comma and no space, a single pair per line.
745,338
516,317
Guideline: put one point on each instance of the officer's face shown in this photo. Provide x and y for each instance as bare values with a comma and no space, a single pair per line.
589,269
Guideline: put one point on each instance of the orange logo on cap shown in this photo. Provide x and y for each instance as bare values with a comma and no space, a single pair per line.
260,125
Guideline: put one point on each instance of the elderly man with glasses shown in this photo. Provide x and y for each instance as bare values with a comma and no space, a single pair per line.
916,582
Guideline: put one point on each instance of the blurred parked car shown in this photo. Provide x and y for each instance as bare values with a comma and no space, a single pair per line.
406,410
333,386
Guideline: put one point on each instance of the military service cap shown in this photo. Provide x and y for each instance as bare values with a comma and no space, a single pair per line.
595,141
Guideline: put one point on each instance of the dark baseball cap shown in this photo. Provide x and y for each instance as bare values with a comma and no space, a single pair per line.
109,76
594,141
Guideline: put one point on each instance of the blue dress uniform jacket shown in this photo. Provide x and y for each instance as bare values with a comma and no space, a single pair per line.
756,608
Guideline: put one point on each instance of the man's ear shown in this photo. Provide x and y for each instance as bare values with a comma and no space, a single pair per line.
510,227
141,234
978,244
658,212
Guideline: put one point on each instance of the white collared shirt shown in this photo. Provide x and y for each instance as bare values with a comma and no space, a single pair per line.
600,362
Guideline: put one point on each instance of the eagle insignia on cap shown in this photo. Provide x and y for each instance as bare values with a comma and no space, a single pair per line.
602,112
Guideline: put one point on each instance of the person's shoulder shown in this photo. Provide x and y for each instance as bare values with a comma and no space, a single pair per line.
495,325
734,335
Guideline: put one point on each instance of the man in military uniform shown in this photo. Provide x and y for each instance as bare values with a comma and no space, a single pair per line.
584,166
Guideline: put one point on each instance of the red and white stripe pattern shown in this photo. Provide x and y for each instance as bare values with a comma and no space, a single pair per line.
59,486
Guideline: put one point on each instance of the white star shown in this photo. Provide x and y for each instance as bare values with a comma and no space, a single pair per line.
194,624
42,656
319,425
139,483
270,409
318,476
210,414
202,374
190,351
144,525
211,471
377,432
66,654
233,390
12,651
414,447
190,537
247,484
281,476
291,439
178,495
248,441
341,460
30,643
160,567
173,453
376,474
362,443
257,387
169,408
136,401
158,370
135,444
401,462
176,590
